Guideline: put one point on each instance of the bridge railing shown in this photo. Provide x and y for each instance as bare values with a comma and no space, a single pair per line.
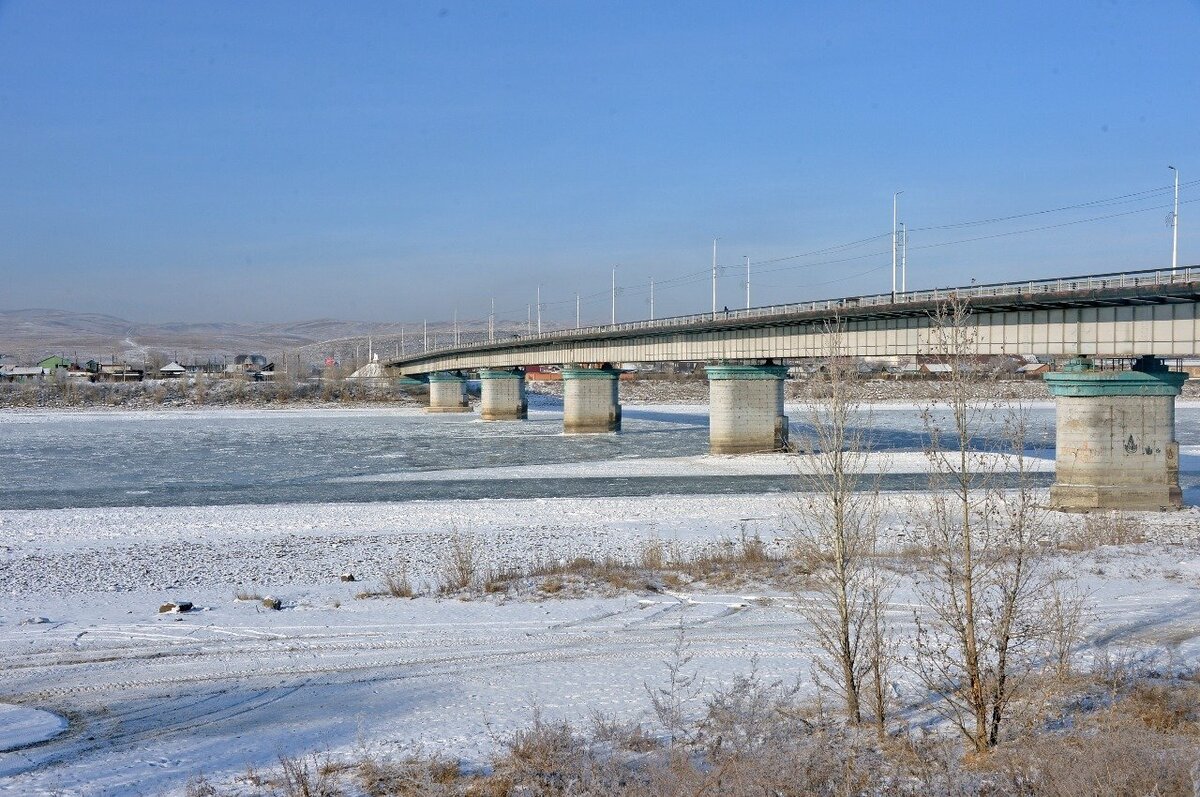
1126,279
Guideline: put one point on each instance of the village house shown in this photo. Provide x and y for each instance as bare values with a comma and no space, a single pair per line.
18,373
172,370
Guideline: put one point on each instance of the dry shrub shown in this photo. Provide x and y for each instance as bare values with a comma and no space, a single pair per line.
738,561
628,736
398,585
461,562
1115,759
551,757
412,776
1096,529
306,776
1164,707
657,566
199,786
653,555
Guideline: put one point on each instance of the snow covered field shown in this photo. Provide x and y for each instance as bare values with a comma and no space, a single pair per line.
153,698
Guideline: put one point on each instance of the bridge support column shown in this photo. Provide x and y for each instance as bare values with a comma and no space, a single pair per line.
745,409
502,394
1115,431
447,392
590,399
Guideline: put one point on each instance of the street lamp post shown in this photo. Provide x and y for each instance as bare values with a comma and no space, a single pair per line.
1175,225
714,280
895,207
614,295
747,281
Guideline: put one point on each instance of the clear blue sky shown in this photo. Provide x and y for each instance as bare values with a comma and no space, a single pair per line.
391,161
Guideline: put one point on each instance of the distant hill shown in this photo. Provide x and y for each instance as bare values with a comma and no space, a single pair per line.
27,336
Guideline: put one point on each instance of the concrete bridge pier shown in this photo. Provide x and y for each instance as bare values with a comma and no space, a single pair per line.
447,392
503,394
590,399
1115,430
745,409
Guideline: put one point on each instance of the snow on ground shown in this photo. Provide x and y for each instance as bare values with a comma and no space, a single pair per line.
154,697
704,465
21,726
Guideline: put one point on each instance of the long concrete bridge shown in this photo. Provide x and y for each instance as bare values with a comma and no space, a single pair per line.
1116,445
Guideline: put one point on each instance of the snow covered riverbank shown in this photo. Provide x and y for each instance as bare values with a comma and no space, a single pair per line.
153,698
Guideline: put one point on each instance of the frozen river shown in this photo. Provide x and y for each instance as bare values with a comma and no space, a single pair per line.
229,456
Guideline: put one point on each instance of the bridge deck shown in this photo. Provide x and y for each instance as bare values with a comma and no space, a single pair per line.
1120,314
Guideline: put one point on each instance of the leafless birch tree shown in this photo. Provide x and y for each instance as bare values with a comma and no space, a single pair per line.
835,520
978,633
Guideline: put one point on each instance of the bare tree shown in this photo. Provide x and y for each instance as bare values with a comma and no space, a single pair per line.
979,631
835,522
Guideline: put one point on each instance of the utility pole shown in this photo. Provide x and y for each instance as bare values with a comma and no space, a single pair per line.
714,280
747,281
455,326
1175,225
895,206
614,295
539,304
651,300
403,348
425,342
492,322
577,311
903,258
528,320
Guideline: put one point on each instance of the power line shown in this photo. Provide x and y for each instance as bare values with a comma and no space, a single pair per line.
705,274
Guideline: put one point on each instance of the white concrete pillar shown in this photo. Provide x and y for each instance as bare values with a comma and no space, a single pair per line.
1115,437
502,394
745,409
590,400
447,393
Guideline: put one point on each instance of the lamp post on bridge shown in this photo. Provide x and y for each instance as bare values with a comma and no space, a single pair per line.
714,280
614,295
895,208
747,257
1175,225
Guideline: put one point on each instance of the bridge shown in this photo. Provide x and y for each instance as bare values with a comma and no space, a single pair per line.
1147,314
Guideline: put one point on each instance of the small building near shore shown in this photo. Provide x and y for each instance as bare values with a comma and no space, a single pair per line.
1033,370
119,372
18,373
172,370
